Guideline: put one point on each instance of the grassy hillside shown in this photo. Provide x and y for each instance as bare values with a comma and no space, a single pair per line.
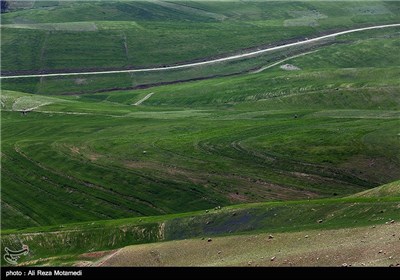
102,160
391,189
327,129
287,142
349,51
100,35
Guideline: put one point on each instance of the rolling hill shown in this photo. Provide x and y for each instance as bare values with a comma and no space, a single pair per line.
294,142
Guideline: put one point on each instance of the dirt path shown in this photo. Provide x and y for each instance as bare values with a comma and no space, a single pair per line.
106,258
279,62
30,109
143,99
212,61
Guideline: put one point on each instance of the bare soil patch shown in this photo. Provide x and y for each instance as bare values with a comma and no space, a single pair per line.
289,67
364,246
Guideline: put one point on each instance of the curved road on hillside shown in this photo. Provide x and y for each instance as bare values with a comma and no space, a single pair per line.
233,57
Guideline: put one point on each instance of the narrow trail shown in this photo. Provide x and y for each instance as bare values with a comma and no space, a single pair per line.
106,258
143,99
29,109
279,62
211,61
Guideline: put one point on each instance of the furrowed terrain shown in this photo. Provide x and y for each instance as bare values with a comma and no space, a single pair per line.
293,142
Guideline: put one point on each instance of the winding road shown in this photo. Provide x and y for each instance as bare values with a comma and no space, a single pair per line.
211,61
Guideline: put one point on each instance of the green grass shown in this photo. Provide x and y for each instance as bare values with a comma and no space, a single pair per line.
84,153
391,189
87,168
96,35
346,52
21,49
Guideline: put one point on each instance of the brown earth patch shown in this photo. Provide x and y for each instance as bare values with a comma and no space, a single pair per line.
174,171
226,183
97,255
379,170
235,197
74,150
93,156
80,81
363,246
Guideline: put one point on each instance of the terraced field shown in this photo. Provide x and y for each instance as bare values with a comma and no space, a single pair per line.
99,162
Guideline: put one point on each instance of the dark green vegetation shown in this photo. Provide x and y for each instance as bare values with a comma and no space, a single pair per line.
91,157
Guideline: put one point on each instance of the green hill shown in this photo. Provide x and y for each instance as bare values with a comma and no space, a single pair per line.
85,154
78,35
391,189
293,142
